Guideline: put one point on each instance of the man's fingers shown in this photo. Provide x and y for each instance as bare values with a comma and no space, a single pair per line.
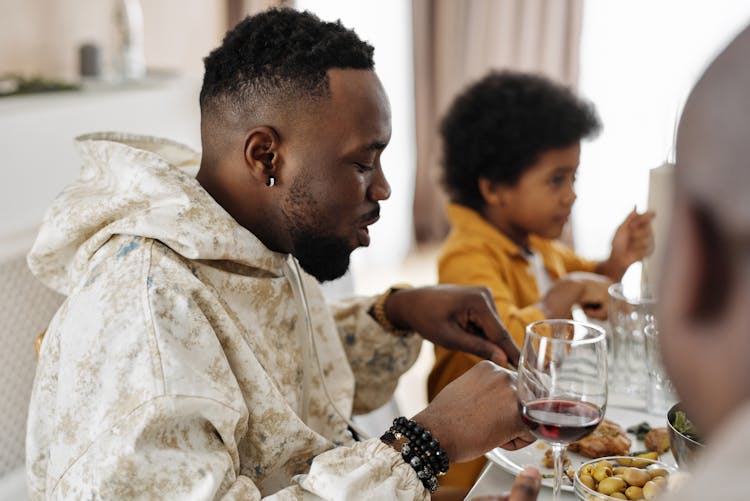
526,486
494,330
503,343
519,442
485,349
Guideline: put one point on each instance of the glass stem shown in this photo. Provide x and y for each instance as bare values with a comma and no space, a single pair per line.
557,455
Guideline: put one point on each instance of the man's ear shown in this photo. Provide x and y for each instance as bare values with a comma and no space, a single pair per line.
712,264
493,192
261,154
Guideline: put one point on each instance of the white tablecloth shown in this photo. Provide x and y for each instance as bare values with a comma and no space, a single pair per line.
494,480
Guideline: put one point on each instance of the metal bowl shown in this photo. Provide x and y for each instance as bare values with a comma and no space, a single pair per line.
684,448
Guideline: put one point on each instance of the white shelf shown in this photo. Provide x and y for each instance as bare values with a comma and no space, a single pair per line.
37,132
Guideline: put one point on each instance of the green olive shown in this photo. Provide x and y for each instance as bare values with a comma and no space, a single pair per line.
636,476
658,472
601,472
651,489
588,481
640,462
618,495
587,470
619,470
611,484
634,492
660,481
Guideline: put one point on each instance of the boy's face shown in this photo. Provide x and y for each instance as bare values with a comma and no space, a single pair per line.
541,201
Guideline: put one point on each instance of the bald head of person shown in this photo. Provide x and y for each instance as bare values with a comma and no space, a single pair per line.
705,305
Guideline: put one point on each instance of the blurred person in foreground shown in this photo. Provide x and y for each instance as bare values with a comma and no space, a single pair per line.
704,311
192,358
511,149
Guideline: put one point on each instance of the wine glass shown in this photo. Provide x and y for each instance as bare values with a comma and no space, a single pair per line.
562,384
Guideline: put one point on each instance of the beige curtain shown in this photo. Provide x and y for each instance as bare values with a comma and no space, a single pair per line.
456,42
238,9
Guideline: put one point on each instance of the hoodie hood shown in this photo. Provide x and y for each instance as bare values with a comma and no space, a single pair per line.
139,186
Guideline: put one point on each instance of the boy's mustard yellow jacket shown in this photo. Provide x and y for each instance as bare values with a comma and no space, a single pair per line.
477,253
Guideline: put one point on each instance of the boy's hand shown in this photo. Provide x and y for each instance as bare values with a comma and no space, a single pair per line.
633,240
586,289
455,317
594,298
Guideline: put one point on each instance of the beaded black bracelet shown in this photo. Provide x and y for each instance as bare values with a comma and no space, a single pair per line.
422,452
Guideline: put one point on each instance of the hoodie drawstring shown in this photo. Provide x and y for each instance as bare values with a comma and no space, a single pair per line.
309,348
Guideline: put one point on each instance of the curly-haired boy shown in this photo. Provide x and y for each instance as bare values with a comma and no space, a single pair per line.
511,148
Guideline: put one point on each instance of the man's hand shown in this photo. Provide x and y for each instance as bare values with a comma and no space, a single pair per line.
525,488
633,240
455,317
476,413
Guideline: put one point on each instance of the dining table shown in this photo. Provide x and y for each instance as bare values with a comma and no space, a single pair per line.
494,480
498,474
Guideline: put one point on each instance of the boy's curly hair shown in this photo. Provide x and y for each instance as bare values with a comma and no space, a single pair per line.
500,125
277,55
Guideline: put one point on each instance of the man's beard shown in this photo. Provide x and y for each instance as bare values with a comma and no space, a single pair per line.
322,256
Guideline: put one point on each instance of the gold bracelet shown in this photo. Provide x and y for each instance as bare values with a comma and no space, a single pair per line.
395,441
378,311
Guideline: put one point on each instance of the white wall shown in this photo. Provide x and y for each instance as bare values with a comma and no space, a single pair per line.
639,59
36,141
386,24
41,37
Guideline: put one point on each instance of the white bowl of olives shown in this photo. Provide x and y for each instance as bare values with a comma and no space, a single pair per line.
621,477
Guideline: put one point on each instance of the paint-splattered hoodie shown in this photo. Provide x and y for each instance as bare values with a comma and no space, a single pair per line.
181,365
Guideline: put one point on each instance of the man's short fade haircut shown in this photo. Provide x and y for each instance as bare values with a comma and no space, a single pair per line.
498,127
278,54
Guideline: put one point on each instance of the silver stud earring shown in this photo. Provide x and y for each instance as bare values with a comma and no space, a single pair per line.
271,181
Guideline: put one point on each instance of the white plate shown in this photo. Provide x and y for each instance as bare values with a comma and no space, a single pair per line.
515,461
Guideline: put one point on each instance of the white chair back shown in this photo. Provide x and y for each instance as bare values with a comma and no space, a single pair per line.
26,307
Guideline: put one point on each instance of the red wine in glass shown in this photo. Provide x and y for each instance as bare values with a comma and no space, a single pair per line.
559,402
560,421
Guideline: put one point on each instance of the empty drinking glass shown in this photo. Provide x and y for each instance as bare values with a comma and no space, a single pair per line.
660,394
628,316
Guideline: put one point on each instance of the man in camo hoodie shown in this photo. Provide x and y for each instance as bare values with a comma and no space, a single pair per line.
193,359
